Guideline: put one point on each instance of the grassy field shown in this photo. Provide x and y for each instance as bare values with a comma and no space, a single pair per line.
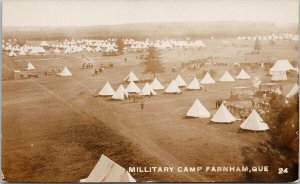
54,129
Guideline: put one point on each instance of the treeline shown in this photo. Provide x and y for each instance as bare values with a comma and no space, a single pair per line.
141,31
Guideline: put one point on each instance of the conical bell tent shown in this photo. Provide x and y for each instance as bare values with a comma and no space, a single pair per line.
198,110
207,79
120,94
243,75
223,115
107,170
194,84
147,90
107,90
65,72
156,85
226,77
30,66
254,122
180,82
173,88
131,77
133,88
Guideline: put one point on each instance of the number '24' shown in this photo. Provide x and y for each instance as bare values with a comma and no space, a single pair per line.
282,170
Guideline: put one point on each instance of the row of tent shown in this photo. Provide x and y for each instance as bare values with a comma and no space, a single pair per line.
23,51
253,122
283,36
174,86
207,79
97,46
64,73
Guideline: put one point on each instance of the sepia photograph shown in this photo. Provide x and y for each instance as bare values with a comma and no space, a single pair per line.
150,91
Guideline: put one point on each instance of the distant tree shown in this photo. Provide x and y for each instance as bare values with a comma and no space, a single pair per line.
257,46
152,61
120,44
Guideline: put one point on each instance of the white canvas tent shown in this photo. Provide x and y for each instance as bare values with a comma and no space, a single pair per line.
147,90
293,91
173,88
156,85
226,77
107,90
131,77
243,75
12,54
198,110
281,66
279,76
30,66
133,88
254,122
223,115
65,72
194,84
107,170
207,79
120,94
180,82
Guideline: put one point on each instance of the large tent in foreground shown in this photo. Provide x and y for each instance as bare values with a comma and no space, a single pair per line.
65,72
293,91
223,115
254,122
131,77
107,90
107,170
207,79
226,77
198,110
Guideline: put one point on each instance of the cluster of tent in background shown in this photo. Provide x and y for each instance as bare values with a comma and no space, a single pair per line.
108,45
281,36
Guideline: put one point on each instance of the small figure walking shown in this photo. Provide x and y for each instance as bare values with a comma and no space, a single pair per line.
142,105
253,103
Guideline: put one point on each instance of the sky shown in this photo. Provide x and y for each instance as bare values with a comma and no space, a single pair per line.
110,12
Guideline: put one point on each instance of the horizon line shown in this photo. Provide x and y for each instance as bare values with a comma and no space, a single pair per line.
157,22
